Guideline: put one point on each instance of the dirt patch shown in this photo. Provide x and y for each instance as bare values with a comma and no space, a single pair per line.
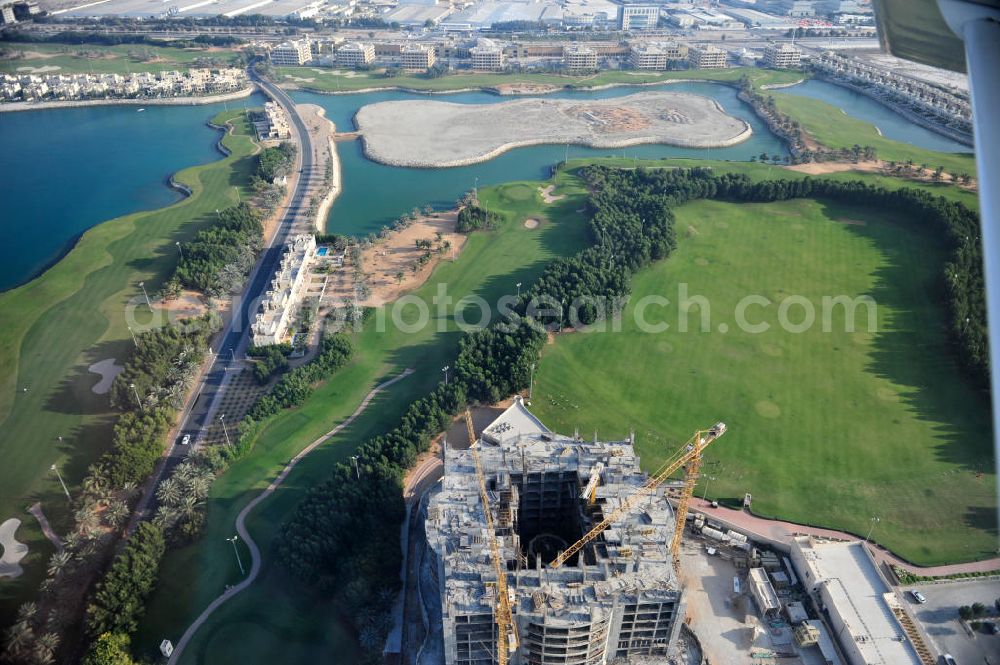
189,304
851,222
531,223
821,168
524,88
548,196
392,264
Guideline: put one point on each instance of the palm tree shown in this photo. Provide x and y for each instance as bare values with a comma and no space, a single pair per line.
58,563
86,519
26,612
45,648
169,491
166,517
188,506
19,636
116,513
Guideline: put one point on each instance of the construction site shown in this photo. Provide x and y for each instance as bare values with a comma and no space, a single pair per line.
541,548
550,549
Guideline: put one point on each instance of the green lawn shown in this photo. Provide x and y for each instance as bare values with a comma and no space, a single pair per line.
103,59
489,266
826,428
832,128
327,80
54,327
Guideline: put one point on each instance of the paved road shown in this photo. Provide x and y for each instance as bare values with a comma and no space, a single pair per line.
241,528
235,337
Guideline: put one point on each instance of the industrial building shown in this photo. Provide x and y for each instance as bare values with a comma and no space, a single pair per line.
707,57
782,56
355,54
291,54
617,599
865,615
282,299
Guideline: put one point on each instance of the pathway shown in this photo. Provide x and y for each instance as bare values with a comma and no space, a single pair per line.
241,528
36,510
784,531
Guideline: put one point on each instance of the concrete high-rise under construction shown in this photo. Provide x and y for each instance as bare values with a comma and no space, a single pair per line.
617,601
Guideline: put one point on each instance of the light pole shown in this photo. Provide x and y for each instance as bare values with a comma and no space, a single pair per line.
475,190
704,497
222,419
134,340
445,370
232,351
531,381
236,551
59,476
357,471
137,399
179,250
142,285
875,520
518,285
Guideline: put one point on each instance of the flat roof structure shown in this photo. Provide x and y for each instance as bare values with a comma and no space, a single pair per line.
183,8
845,579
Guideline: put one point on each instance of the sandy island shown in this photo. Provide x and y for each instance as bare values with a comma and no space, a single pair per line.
432,134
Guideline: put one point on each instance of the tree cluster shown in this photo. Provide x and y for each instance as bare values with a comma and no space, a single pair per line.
275,162
120,598
217,260
473,218
270,361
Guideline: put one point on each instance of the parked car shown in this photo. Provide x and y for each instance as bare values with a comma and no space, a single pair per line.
948,660
919,597
186,439
991,628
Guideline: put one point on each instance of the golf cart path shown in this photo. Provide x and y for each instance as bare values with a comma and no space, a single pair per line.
241,528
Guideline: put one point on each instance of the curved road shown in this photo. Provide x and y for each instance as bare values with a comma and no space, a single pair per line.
241,528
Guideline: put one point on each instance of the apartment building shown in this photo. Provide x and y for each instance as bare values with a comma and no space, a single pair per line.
650,55
487,56
356,54
417,56
579,59
782,56
707,57
291,54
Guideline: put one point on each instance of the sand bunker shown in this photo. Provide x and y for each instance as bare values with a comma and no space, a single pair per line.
39,70
531,223
13,551
108,370
547,194
457,134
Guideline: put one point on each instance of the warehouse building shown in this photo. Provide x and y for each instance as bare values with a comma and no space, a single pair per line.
865,615
617,600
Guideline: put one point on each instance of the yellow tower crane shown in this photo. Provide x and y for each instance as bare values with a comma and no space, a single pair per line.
507,640
687,457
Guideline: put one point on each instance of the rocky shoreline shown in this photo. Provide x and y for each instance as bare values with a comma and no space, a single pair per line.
165,101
